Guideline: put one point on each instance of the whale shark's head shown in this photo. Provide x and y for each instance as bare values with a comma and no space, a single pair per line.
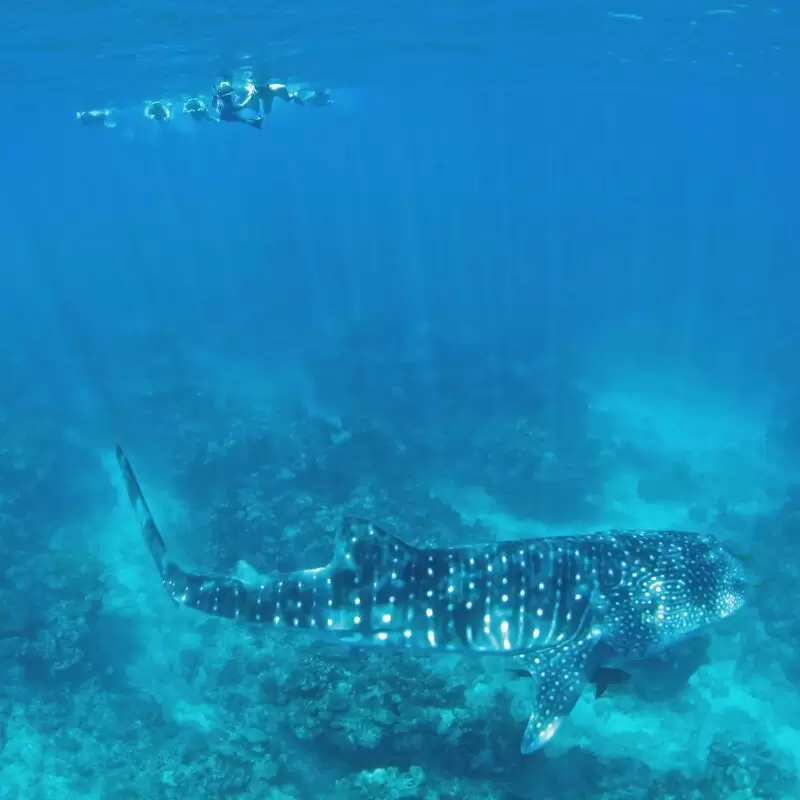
665,586
696,582
722,581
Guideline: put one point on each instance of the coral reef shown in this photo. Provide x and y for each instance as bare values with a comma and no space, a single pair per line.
111,692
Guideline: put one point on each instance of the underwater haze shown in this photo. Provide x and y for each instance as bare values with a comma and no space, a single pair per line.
481,272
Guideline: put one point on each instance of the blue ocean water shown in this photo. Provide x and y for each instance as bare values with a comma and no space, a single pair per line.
531,273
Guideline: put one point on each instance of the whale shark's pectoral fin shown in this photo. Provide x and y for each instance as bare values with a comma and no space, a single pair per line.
560,674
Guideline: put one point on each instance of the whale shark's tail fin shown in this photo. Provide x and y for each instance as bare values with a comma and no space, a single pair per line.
287,599
219,595
150,533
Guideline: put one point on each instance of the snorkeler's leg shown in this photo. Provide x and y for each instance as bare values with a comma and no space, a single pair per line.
279,90
266,103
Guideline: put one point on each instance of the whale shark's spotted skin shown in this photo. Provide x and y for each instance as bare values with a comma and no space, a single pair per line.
564,606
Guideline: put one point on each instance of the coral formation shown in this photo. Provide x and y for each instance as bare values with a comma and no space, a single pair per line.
111,692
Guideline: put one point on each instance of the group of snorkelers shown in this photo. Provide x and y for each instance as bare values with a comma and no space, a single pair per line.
248,104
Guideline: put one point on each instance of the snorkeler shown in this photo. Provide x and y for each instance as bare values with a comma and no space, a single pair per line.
267,93
158,111
231,109
99,118
318,97
302,97
196,108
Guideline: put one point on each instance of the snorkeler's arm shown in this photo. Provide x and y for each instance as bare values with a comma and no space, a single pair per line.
252,94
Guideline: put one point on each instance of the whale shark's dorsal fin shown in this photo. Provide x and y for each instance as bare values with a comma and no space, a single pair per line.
248,575
360,545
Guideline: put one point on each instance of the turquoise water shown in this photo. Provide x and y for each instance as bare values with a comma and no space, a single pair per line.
531,273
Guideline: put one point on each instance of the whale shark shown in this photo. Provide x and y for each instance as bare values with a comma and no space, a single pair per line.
565,608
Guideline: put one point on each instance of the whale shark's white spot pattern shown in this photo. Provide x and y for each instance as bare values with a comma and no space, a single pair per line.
548,601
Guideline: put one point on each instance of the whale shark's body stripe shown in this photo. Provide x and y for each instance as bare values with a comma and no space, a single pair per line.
507,598
565,606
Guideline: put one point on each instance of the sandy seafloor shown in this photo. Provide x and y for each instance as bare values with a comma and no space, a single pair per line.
110,692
